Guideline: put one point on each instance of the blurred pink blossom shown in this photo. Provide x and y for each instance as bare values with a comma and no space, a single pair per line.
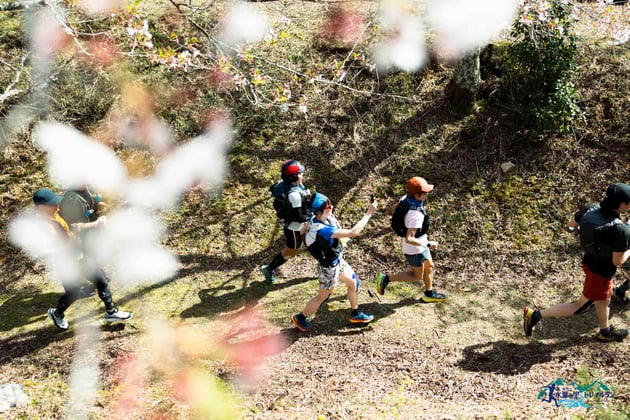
342,25
49,36
102,51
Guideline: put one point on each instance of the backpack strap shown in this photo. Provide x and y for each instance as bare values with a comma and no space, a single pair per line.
325,253
419,206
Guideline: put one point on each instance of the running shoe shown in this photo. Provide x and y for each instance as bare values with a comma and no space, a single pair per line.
268,273
433,296
381,284
117,315
531,316
59,321
360,318
301,322
612,335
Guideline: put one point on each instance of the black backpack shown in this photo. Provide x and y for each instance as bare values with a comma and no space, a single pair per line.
281,204
398,219
74,208
594,223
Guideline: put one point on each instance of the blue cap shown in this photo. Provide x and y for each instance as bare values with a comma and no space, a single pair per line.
319,201
46,197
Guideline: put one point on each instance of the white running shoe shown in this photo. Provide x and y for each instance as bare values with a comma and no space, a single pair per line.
60,321
117,315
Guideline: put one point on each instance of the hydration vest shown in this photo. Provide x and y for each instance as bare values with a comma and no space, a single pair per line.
319,247
281,204
397,221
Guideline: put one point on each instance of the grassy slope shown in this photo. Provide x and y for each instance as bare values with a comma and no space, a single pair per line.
502,247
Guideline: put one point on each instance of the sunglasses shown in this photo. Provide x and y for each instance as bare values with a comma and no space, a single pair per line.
327,205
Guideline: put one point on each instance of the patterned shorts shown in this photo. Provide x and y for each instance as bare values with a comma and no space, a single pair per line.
329,276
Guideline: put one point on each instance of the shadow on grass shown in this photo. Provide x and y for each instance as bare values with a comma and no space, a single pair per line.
31,307
336,322
24,344
21,309
30,342
506,358
213,302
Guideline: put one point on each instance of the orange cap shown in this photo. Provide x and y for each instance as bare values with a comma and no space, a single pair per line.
417,185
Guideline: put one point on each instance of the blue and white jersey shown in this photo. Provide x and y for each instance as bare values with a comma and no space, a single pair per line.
320,243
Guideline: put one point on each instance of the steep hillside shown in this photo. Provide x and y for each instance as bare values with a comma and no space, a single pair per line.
502,239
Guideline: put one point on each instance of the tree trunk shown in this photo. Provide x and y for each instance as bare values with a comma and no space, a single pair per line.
467,72
464,85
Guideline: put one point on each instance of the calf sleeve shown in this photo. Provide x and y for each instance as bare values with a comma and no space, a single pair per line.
584,308
324,301
71,293
277,261
357,282
102,286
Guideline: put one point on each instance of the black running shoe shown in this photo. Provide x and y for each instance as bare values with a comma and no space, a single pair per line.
612,335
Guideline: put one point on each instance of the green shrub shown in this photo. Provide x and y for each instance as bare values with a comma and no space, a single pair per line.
539,66
82,95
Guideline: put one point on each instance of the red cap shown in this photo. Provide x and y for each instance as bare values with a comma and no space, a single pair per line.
417,185
292,167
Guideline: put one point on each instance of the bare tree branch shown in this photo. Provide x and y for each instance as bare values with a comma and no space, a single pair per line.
23,114
9,91
220,44
59,15
180,6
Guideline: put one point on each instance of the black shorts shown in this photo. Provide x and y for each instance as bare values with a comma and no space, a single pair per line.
293,238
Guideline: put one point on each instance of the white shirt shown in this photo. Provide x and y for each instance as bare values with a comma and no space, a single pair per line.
413,220
295,198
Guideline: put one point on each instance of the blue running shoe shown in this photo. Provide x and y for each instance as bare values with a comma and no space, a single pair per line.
360,318
268,273
381,283
301,322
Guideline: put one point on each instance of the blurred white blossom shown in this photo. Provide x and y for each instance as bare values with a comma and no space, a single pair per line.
458,26
243,24
404,46
463,25
85,373
201,161
32,233
129,243
149,132
75,160
100,7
